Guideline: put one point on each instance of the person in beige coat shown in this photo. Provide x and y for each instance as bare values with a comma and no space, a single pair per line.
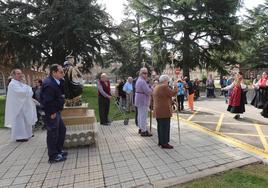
162,97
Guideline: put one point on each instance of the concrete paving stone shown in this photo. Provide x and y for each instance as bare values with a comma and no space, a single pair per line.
85,184
96,168
167,175
112,180
26,172
180,172
34,184
133,162
155,177
6,182
95,175
81,177
138,174
141,181
191,169
162,168
109,173
68,166
120,164
21,180
108,166
53,175
38,177
66,180
174,166
114,186
18,186
151,171
128,184
83,170
122,170
68,172
125,177
66,186
51,183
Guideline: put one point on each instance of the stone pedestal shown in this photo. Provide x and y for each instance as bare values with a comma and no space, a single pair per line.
80,124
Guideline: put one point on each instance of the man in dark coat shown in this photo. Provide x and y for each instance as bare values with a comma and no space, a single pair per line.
52,97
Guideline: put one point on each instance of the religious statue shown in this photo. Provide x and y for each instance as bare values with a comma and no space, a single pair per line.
73,86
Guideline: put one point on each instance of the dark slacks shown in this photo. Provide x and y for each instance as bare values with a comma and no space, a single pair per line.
163,130
180,99
136,116
104,106
56,132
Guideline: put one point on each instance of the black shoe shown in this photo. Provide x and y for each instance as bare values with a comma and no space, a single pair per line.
57,158
106,124
64,153
22,140
139,131
237,116
146,134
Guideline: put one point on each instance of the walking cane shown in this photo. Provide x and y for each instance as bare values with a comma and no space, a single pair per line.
172,56
151,117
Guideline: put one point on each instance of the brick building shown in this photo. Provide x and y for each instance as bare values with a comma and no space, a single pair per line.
30,76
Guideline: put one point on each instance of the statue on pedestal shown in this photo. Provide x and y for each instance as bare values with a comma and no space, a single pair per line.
73,86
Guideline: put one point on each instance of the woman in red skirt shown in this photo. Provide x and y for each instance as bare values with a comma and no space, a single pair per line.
237,99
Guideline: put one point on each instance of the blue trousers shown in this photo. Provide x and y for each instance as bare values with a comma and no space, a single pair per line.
56,132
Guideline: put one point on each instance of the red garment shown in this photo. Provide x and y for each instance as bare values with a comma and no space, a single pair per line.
106,87
262,82
235,98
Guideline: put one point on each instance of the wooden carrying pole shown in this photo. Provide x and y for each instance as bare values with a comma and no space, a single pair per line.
172,56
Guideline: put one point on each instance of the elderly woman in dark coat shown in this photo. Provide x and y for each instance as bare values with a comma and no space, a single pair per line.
162,97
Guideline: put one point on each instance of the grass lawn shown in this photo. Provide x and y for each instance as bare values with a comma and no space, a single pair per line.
90,96
252,176
2,111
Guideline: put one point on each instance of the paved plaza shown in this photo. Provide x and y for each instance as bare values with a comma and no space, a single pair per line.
121,158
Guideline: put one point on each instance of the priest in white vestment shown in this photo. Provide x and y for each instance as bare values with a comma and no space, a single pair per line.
20,113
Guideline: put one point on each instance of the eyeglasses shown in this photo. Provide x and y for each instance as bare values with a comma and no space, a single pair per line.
145,73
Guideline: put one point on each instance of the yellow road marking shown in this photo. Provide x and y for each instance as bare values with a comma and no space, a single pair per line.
262,137
191,117
228,139
220,122
240,134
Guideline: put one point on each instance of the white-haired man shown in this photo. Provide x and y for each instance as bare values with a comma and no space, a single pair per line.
162,97
142,101
128,88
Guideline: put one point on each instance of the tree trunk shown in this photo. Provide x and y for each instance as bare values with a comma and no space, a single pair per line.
186,54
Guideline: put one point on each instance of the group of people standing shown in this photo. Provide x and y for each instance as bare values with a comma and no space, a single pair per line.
145,95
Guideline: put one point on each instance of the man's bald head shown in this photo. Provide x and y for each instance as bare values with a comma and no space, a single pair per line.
143,70
104,77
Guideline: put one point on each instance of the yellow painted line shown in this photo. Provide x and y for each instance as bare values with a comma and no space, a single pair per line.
240,134
191,117
225,123
262,137
228,139
220,122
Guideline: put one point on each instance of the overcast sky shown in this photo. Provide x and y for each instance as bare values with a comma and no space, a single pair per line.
115,7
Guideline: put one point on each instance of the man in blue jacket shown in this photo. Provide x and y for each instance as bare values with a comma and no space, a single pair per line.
52,97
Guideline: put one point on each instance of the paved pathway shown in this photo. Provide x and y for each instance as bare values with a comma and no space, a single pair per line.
121,158
250,132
